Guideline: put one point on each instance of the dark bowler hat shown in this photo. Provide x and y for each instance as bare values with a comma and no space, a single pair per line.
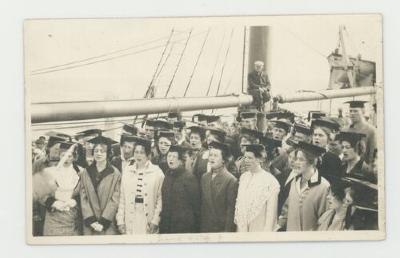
251,132
128,138
325,122
356,103
257,149
302,129
220,146
143,142
312,149
352,137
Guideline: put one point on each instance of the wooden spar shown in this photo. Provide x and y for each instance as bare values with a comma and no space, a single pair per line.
69,111
326,94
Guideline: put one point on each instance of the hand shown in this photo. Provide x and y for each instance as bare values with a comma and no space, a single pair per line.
97,226
122,229
59,205
71,203
152,228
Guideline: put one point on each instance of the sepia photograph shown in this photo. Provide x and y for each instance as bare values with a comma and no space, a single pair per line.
204,129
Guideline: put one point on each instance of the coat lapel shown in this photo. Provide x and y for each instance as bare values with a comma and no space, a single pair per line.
91,192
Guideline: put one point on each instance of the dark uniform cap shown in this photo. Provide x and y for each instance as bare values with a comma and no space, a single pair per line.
351,137
270,143
247,115
143,142
66,145
280,115
220,134
283,125
315,115
253,133
102,140
314,150
356,103
325,122
199,130
302,129
212,118
166,134
130,128
89,132
174,115
200,118
179,124
257,149
178,148
128,138
160,124
220,146
55,138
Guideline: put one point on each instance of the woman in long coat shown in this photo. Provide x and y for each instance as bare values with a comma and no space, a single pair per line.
308,192
100,190
180,211
164,140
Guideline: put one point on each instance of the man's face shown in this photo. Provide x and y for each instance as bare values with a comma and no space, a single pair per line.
195,140
258,67
356,114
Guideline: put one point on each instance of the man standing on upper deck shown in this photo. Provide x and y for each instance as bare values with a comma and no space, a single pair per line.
259,85
360,125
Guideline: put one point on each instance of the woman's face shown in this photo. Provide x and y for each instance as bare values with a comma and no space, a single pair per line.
215,158
320,138
69,157
173,160
195,140
140,155
250,161
243,141
278,133
211,138
348,152
334,202
301,164
163,145
348,198
127,149
100,152
54,152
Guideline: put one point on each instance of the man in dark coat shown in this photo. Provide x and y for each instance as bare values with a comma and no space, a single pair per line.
219,190
259,85
180,211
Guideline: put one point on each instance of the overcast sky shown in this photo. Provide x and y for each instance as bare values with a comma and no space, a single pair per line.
299,46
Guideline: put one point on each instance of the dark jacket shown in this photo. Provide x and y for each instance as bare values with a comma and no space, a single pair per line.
180,211
258,80
200,164
218,202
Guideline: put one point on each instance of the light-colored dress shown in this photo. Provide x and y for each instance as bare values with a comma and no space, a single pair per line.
63,222
257,202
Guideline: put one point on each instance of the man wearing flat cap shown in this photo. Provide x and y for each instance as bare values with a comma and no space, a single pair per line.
259,85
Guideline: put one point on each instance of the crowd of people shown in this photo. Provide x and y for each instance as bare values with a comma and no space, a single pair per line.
270,171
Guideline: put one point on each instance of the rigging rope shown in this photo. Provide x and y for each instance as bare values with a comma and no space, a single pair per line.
197,61
179,62
215,65
223,66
